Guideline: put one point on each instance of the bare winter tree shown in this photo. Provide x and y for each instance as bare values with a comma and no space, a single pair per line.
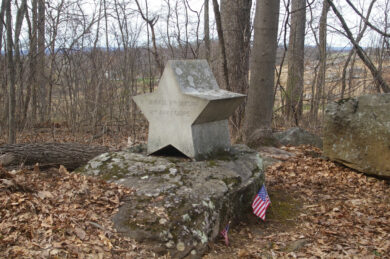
378,79
11,74
236,27
41,77
295,58
320,79
221,39
207,30
260,103
151,22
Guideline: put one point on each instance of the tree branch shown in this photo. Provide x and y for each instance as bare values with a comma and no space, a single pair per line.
366,19
362,54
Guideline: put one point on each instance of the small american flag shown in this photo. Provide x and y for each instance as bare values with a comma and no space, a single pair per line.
224,233
261,203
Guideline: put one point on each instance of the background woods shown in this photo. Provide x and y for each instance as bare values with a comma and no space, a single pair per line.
76,65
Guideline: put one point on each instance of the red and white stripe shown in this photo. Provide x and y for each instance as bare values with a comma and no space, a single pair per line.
259,206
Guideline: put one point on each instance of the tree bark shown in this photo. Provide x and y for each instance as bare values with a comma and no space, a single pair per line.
236,27
70,155
2,13
222,46
33,61
260,103
41,60
296,58
320,80
207,30
11,75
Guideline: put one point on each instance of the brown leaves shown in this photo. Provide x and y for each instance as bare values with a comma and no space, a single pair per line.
344,213
60,214
346,210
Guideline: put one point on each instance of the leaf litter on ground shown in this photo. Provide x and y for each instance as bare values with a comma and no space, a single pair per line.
339,213
55,213
319,209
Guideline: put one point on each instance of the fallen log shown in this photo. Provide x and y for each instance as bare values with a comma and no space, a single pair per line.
70,155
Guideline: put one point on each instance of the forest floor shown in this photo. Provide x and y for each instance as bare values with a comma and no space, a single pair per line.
318,209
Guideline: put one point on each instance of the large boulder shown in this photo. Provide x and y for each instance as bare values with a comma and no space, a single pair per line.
297,136
180,205
357,133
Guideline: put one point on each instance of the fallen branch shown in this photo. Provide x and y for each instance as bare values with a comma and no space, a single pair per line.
70,155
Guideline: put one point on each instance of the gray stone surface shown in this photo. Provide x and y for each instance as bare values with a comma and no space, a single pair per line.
357,133
297,136
188,110
180,205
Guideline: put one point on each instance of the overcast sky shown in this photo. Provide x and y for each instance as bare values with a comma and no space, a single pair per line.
335,38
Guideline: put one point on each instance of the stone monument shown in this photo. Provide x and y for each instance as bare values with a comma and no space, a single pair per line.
179,205
188,111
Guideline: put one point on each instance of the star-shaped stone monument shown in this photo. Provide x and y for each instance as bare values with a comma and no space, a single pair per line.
188,110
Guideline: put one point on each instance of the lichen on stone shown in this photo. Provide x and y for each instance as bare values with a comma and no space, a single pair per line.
178,202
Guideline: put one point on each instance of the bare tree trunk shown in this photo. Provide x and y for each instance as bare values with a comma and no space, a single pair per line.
296,48
97,80
4,113
32,33
11,76
41,60
237,33
222,45
320,80
33,61
351,74
2,13
18,62
207,30
261,88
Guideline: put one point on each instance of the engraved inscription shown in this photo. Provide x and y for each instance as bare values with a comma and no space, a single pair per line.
170,113
171,108
163,102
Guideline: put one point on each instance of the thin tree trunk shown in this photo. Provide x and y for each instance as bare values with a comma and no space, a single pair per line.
207,30
2,13
351,74
32,86
11,76
222,46
41,60
18,63
320,80
96,79
4,114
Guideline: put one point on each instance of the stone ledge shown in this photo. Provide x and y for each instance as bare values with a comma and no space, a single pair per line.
180,205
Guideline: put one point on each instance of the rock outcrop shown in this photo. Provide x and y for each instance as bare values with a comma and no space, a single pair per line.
180,205
297,136
357,133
